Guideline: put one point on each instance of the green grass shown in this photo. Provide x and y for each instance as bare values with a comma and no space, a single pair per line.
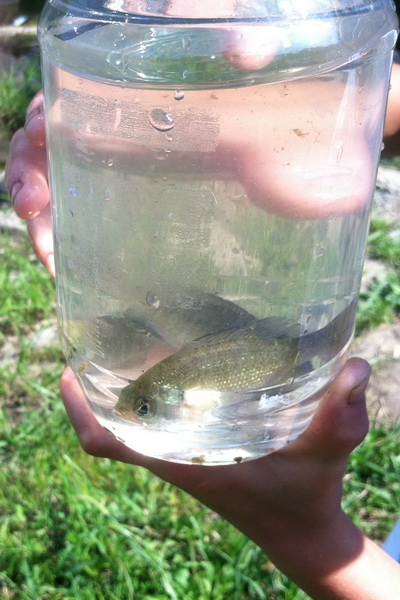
381,302
372,484
394,162
77,528
25,287
16,91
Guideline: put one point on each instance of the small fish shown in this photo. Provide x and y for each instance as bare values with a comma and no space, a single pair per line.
185,317
120,341
127,338
255,356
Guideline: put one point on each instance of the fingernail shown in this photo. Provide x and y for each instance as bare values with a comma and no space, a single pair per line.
31,115
357,394
15,188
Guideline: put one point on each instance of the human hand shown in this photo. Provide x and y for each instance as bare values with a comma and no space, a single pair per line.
289,502
26,179
28,166
289,498
392,124
308,471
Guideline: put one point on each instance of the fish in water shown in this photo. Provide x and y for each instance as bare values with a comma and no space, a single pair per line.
262,354
184,317
174,322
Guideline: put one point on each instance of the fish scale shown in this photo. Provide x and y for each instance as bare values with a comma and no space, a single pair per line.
225,364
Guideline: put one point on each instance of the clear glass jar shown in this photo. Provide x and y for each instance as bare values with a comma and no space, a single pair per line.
212,167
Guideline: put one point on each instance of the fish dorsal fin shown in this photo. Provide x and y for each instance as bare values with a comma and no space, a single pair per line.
331,337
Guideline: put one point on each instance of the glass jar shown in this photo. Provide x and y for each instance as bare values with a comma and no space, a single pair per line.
212,167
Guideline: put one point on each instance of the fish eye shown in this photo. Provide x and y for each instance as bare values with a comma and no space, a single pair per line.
144,407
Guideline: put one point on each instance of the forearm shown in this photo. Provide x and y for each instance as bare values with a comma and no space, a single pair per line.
338,563
373,575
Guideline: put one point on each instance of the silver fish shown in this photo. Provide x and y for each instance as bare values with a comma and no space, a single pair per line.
255,356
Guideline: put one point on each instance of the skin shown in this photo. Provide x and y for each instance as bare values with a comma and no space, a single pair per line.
287,502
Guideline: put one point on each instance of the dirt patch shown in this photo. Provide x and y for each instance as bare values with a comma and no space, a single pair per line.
381,348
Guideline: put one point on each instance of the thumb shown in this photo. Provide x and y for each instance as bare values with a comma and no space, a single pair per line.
341,420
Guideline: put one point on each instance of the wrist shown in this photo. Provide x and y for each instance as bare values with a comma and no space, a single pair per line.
334,561
307,550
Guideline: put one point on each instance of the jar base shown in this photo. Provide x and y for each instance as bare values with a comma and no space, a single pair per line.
213,430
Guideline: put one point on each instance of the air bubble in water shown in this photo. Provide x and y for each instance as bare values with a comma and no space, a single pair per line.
319,249
152,300
186,42
161,120
179,94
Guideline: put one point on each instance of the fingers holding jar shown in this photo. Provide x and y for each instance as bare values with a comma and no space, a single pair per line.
26,171
26,179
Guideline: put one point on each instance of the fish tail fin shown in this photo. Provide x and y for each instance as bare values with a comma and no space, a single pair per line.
330,339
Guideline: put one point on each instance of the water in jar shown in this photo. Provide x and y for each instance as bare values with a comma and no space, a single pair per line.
209,246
